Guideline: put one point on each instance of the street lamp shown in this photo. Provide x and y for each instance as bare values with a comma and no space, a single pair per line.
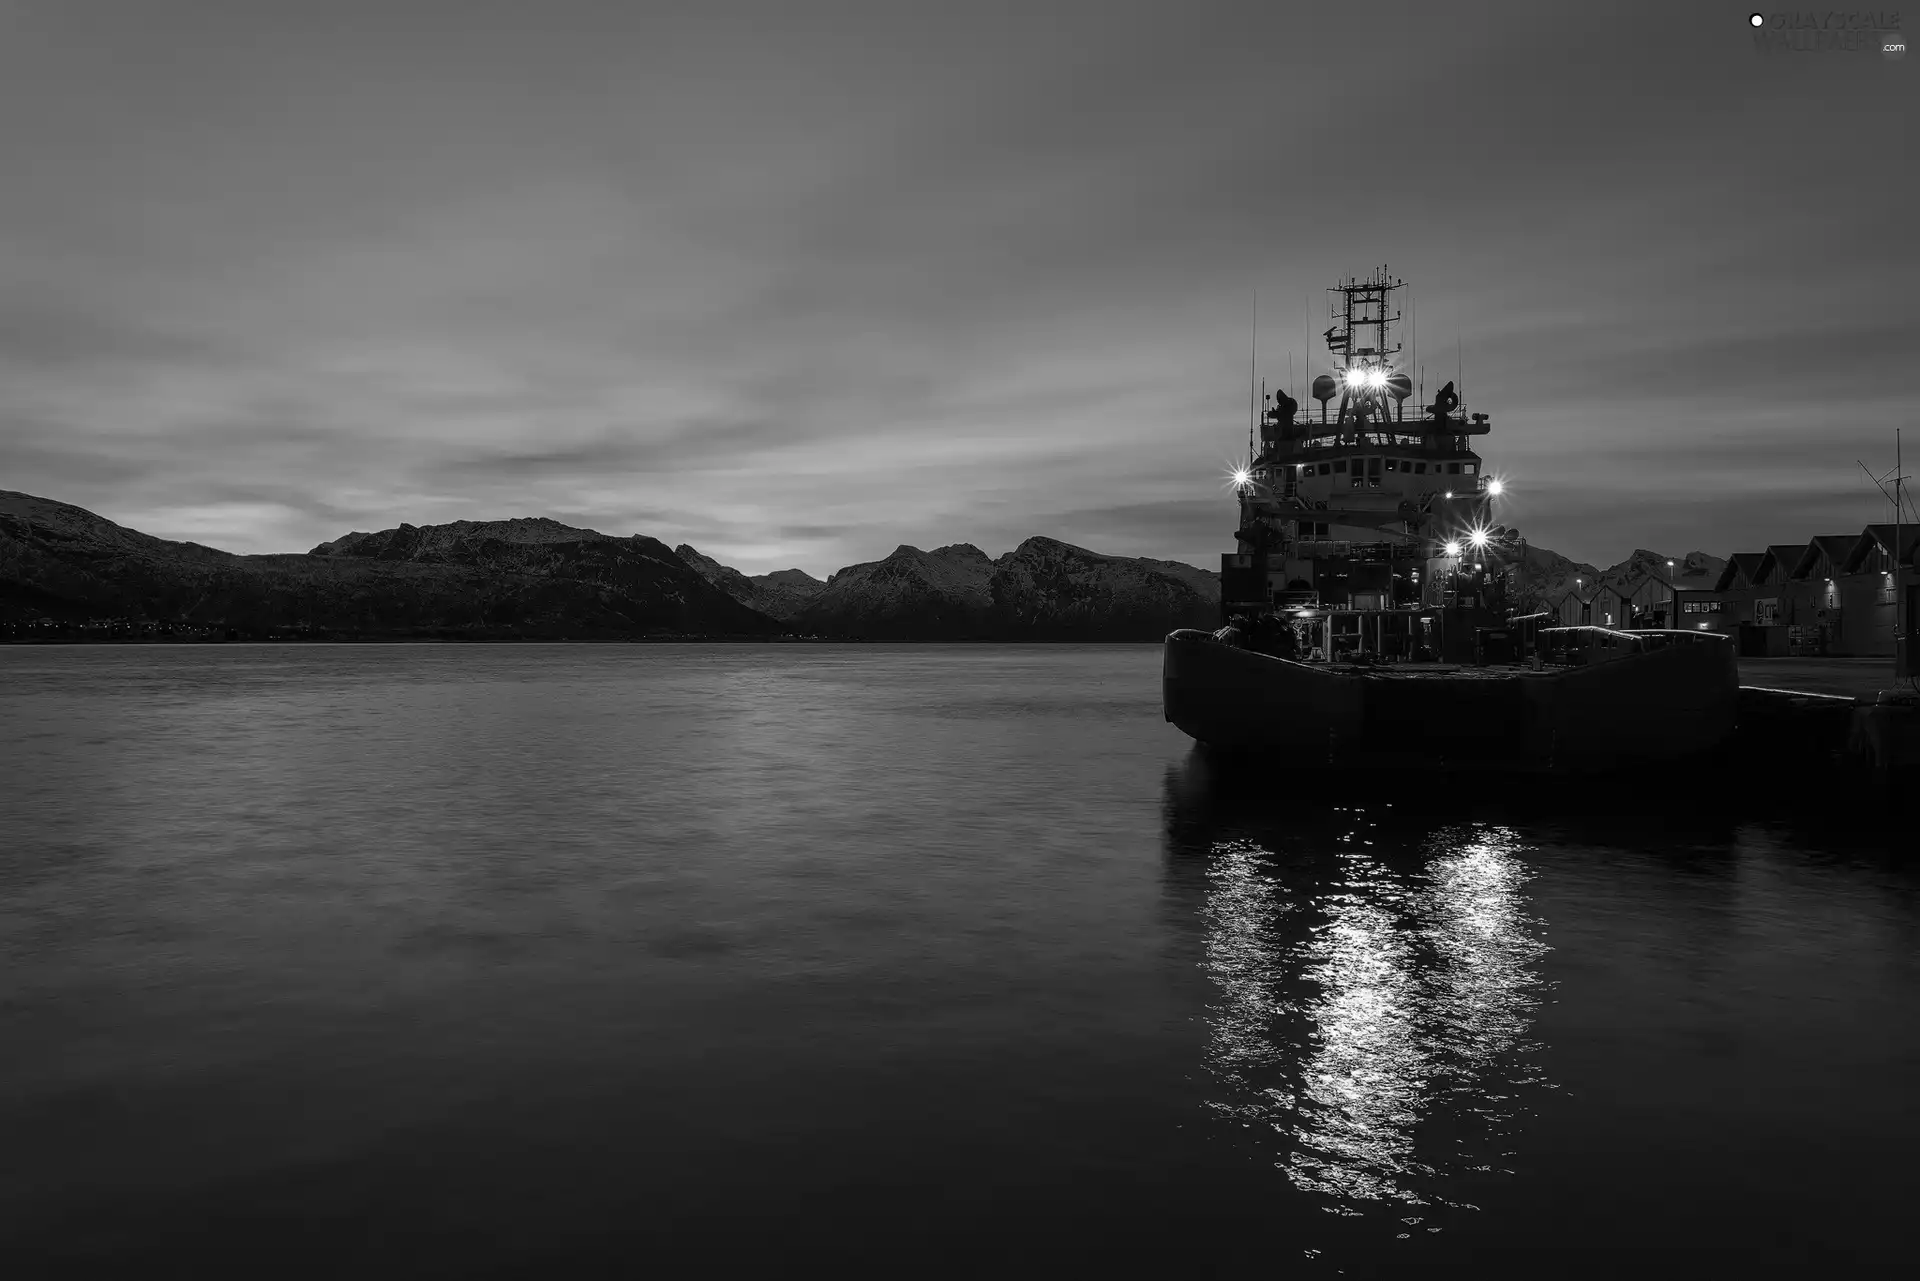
1673,601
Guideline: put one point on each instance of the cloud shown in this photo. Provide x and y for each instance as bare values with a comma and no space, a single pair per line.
804,283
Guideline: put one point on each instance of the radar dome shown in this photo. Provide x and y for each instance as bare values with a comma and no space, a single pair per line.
1323,388
1400,386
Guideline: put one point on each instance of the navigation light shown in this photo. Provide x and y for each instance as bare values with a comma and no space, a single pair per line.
1453,549
1495,485
1356,377
1479,537
1377,378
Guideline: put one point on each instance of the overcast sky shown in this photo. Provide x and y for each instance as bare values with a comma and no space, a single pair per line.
798,282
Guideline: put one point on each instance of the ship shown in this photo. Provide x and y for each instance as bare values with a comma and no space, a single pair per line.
1372,611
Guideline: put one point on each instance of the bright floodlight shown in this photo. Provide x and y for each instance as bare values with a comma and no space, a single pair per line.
1242,476
1495,486
1377,378
1356,377
1479,537
1453,549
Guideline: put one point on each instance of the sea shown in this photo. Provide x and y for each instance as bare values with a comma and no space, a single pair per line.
751,960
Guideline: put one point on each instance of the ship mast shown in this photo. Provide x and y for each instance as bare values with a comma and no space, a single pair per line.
1359,341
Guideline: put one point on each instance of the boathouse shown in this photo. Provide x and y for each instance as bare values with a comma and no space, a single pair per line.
1770,631
1776,565
1612,606
1647,603
1572,608
1810,600
1747,610
1866,590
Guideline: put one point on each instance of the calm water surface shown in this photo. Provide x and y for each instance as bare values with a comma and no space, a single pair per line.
570,960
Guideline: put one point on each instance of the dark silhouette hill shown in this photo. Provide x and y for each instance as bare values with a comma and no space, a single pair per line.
511,578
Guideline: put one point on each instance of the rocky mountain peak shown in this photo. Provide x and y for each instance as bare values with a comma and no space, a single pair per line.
459,538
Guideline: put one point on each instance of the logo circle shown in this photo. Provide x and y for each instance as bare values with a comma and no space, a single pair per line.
1756,20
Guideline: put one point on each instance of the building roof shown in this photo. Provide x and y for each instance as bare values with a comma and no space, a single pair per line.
1881,536
1780,556
1833,546
1740,570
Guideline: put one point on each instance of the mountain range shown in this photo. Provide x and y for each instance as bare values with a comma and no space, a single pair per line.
539,579
509,578
1044,589
1549,575
536,578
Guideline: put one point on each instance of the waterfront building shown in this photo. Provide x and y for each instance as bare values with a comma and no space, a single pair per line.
1572,608
1746,610
1866,589
1810,599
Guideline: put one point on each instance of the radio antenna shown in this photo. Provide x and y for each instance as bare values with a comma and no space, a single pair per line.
1413,332
1253,366
1306,329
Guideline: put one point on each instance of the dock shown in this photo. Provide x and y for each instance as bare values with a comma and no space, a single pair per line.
1844,717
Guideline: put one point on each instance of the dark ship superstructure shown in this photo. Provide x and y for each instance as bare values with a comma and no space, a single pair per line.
1366,529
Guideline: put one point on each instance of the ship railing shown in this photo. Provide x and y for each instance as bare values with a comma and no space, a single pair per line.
1655,637
1430,485
1593,644
1383,550
1312,429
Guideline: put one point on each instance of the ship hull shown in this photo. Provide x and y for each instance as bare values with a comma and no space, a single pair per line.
1657,706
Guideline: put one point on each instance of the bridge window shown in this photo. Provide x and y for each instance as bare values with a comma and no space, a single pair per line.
1340,465
1467,468
1419,469
1326,468
1453,469
1373,465
1389,464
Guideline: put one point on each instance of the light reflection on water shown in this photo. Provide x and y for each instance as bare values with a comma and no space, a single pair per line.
1372,1019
